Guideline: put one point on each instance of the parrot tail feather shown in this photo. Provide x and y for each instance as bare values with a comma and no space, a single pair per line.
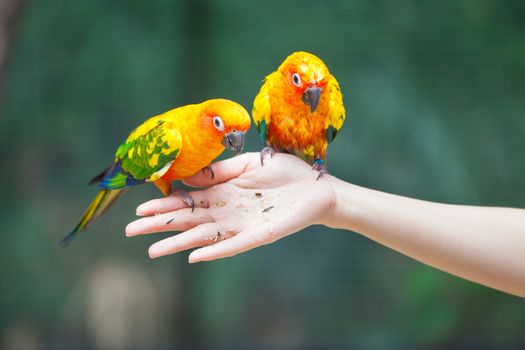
102,201
99,177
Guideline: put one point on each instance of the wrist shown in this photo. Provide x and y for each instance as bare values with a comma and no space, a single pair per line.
341,211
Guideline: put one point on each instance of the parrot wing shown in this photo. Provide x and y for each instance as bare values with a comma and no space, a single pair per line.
145,156
261,107
336,115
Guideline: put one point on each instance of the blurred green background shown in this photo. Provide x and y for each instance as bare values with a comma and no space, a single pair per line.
435,99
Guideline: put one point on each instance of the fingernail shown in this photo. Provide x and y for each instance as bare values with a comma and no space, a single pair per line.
128,231
140,210
193,258
132,229
151,252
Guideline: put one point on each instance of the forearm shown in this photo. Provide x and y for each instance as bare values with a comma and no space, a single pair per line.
482,244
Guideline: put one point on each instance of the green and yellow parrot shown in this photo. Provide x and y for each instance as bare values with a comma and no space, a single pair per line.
166,148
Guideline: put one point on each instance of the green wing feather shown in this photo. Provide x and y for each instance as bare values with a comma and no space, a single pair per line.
146,154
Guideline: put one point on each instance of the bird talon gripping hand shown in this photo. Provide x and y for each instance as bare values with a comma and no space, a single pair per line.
299,109
169,147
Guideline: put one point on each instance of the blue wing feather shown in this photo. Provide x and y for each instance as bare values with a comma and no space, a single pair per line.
117,178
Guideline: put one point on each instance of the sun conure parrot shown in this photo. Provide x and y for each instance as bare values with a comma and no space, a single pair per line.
299,109
169,147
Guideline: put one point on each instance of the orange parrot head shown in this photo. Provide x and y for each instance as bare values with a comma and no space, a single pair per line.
227,122
304,78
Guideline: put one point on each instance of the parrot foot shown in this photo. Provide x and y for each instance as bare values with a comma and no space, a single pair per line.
210,170
267,150
185,197
320,167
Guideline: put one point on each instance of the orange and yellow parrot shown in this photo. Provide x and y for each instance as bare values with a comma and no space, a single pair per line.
299,109
169,147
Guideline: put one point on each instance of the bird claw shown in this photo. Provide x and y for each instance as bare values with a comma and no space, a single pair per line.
185,197
210,170
267,150
320,167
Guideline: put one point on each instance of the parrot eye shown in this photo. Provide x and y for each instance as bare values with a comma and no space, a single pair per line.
219,124
296,79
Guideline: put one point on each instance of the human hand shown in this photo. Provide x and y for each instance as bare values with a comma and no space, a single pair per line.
247,205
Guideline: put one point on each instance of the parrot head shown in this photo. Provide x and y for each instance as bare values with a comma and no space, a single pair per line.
227,122
304,78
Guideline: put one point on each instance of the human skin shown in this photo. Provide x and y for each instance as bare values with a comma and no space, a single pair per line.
247,205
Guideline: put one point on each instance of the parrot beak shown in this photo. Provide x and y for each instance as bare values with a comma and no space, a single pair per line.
234,141
311,97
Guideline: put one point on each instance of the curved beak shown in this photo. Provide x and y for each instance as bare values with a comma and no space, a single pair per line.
234,141
311,97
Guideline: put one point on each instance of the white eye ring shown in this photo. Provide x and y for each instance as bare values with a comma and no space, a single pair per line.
296,79
218,123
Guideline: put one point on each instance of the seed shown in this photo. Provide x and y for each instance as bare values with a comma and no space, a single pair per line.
268,209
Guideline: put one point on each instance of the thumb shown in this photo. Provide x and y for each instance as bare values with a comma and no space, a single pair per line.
222,171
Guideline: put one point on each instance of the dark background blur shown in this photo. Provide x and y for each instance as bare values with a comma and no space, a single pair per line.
435,99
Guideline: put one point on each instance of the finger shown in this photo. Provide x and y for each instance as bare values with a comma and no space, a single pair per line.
195,237
179,220
223,171
240,243
170,203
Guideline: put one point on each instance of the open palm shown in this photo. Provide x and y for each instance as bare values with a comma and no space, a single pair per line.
247,205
